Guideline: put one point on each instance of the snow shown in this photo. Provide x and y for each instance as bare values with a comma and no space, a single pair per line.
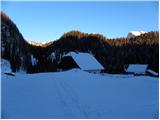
36,43
5,66
133,34
85,61
152,72
52,56
33,60
79,94
137,68
2,49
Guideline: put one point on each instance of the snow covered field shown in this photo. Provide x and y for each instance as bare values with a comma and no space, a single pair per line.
78,94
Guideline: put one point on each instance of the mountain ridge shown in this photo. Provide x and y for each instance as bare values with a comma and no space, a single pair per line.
113,54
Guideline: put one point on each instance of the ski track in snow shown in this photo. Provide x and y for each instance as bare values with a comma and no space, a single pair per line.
69,100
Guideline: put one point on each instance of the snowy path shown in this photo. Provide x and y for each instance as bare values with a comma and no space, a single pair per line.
78,94
69,100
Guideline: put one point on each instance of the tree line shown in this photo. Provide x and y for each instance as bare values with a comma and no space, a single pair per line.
113,54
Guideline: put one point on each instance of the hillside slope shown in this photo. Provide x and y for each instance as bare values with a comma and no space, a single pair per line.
113,54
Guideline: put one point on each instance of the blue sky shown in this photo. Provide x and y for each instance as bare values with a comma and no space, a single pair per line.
45,21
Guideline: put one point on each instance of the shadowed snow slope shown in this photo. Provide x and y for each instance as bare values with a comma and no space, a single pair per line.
78,94
5,66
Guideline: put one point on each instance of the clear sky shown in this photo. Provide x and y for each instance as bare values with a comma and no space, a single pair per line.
45,21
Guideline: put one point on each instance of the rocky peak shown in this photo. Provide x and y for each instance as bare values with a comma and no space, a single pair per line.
133,34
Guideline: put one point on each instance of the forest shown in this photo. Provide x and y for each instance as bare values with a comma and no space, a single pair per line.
113,54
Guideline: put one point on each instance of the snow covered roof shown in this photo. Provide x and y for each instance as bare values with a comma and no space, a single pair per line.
85,61
152,72
137,68
133,34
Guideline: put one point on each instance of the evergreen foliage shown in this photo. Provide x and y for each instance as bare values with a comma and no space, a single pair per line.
113,54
